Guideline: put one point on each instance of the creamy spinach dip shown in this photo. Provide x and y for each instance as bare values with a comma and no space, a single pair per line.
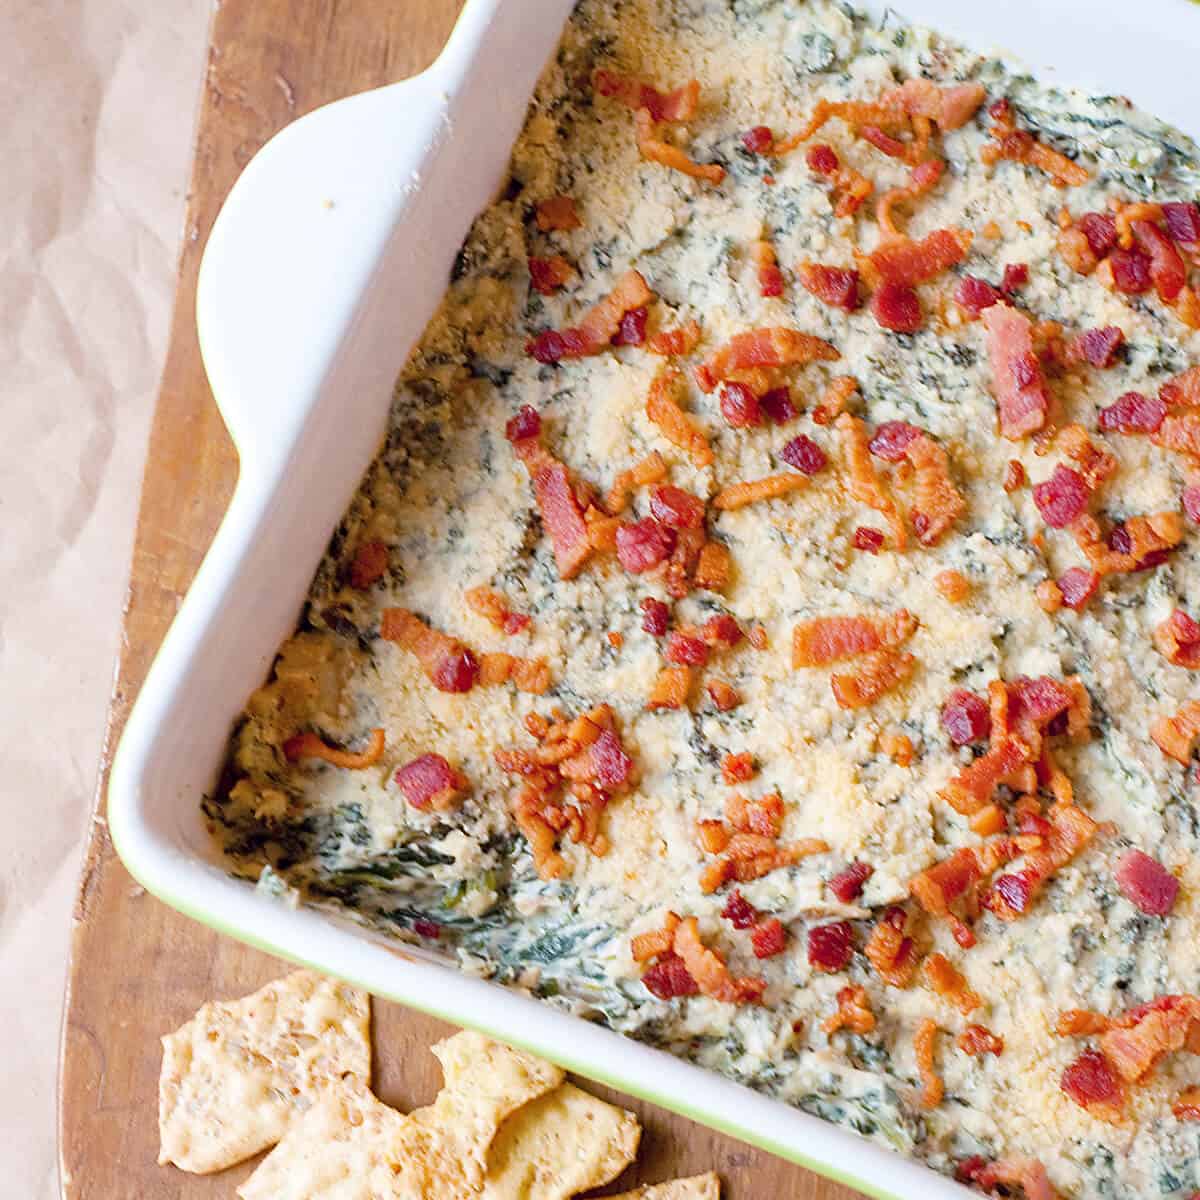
451,507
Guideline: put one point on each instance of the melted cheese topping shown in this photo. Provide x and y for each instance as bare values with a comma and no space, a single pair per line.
455,509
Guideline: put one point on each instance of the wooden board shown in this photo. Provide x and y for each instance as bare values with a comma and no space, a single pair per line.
138,968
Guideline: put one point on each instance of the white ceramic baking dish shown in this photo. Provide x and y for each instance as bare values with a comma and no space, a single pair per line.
321,272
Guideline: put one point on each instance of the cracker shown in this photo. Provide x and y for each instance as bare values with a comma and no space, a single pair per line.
237,1075
698,1187
564,1142
484,1082
348,1146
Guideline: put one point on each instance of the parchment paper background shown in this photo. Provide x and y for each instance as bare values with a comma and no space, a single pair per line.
97,101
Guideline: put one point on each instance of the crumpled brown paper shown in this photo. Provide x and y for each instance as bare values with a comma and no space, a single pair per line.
98,100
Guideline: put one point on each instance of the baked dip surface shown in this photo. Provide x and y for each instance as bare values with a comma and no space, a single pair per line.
869,785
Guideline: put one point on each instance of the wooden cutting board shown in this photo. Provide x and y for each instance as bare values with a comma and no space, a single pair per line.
139,969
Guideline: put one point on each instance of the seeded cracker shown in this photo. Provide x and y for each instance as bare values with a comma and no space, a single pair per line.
559,1144
698,1187
484,1083
239,1073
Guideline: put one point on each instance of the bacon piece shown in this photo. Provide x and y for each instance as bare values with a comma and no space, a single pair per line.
853,1012
847,885
897,307
671,687
1138,544
1146,883
689,651
712,567
892,439
763,816
672,343
890,949
654,149
1133,413
677,106
562,516
1026,1173
1019,145
965,717
978,1040
938,887
528,674
939,504
831,946
632,329
1187,1106
1180,433
549,274
737,768
1017,380
656,942
1062,498
493,606
539,833
804,454
875,675
768,938
1144,1036
835,286
308,745
1178,640
644,544
678,427
709,971
713,836
971,789
448,663
1167,270
669,979
724,696
951,107
1096,347
739,405
429,781
837,395
948,982
557,212
369,564
869,539
865,484
767,346
739,912
777,404
922,178
1183,390
650,469
1076,587
973,295
759,139
900,260
932,1088
1183,223
524,426
770,277
603,763
1071,829
772,487
597,327
823,640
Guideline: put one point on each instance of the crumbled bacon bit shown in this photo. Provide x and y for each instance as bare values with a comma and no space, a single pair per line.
768,346
896,307
558,503
557,212
1142,1037
890,950
938,503
932,1088
1190,500
1183,222
1076,586
777,404
891,439
1026,1173
671,687
739,912
739,405
654,149
669,978
721,630
1017,379
492,606
308,745
448,663
823,640
757,637
656,942
1187,1108
1016,276
950,983
709,969
1014,475
965,717
737,768
758,140
922,178
429,781
973,295
905,262
750,491
1019,145
1146,883
1130,271
597,327
770,277
678,427
632,328
1166,267
679,105
971,789
724,696
853,1012
868,539
671,343
952,586
978,1040
831,946
1133,413
865,484
1071,829
1100,229
1061,498
369,564
804,454
1090,1082
648,470
528,674
875,675
690,651
835,286
1097,347
712,567
644,544
1138,544
713,836
768,938
847,884
837,395
822,159
525,424
1178,640
549,274
655,616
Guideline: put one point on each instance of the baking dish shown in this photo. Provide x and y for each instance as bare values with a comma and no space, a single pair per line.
322,270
